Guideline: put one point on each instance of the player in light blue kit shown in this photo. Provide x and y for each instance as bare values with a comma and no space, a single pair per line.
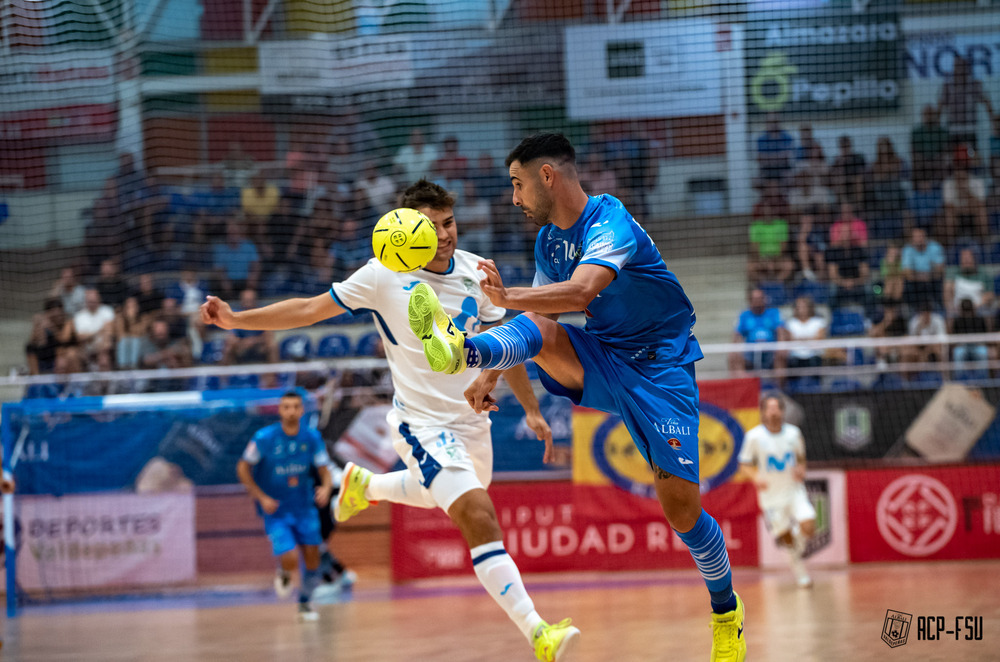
635,356
275,469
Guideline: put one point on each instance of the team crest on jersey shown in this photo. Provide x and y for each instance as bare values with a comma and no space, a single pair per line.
293,481
674,443
469,284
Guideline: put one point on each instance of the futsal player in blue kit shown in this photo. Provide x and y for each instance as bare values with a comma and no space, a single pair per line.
634,358
275,469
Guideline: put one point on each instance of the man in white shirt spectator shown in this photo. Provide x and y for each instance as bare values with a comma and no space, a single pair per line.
413,160
70,291
94,324
964,198
926,324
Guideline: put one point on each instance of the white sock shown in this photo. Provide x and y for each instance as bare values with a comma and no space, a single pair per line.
499,575
399,487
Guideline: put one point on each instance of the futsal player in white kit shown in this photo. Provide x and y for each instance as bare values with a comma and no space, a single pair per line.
774,458
446,445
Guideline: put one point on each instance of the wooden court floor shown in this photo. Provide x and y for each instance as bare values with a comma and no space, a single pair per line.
623,617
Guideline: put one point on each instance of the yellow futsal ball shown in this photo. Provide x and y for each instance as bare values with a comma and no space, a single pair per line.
404,240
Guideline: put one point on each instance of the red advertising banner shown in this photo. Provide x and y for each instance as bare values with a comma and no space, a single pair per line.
95,122
557,526
924,513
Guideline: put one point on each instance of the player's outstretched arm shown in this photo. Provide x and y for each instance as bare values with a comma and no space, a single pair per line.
569,296
519,382
288,314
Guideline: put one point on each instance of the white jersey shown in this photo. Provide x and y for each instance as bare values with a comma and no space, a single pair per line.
774,455
422,396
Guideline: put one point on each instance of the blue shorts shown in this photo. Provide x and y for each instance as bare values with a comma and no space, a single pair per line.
286,530
657,402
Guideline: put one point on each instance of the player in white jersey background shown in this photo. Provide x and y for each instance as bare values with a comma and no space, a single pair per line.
774,458
446,445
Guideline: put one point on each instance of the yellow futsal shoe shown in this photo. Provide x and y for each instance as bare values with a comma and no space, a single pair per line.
351,499
728,644
444,343
554,643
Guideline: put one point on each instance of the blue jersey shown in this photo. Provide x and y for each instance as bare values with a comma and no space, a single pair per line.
281,465
759,328
644,309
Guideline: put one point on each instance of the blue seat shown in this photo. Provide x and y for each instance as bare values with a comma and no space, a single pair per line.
333,345
844,384
243,381
927,379
847,323
818,292
368,344
993,255
211,351
888,381
295,347
776,293
804,385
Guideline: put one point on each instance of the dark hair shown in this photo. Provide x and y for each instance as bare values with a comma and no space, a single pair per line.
967,306
52,304
542,145
291,394
772,395
427,194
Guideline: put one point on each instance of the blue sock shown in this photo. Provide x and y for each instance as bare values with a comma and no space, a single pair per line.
708,547
310,580
504,346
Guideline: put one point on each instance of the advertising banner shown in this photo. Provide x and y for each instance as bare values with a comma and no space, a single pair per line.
823,57
39,80
103,540
604,453
924,513
557,526
931,55
826,491
647,69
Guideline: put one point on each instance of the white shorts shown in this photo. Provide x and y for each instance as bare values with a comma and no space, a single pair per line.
446,461
781,515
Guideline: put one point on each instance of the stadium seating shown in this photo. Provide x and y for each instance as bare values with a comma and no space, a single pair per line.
367,344
333,345
295,347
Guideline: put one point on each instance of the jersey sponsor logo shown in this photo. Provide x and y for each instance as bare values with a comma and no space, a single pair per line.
672,427
916,515
411,285
775,463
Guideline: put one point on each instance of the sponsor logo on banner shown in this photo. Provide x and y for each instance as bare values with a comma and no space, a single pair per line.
36,81
647,69
852,426
916,515
91,540
604,452
932,55
550,526
933,513
351,65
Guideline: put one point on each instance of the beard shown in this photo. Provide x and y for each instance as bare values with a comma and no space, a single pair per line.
539,214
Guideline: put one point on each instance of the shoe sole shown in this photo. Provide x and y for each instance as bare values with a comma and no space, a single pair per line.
344,482
423,310
567,645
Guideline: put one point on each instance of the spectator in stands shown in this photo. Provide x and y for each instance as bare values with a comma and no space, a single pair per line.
847,223
51,332
414,159
885,195
350,250
159,350
111,283
926,324
757,324
450,169
69,290
968,321
596,177
805,324
188,291
378,188
961,96
928,146
148,295
477,232
217,200
811,243
925,204
302,167
249,346
67,363
491,183
923,269
102,237
809,148
130,330
177,322
964,197
808,194
769,259
344,165
891,276
258,201
969,281
847,271
889,323
237,165
94,325
130,183
775,151
236,262
847,174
